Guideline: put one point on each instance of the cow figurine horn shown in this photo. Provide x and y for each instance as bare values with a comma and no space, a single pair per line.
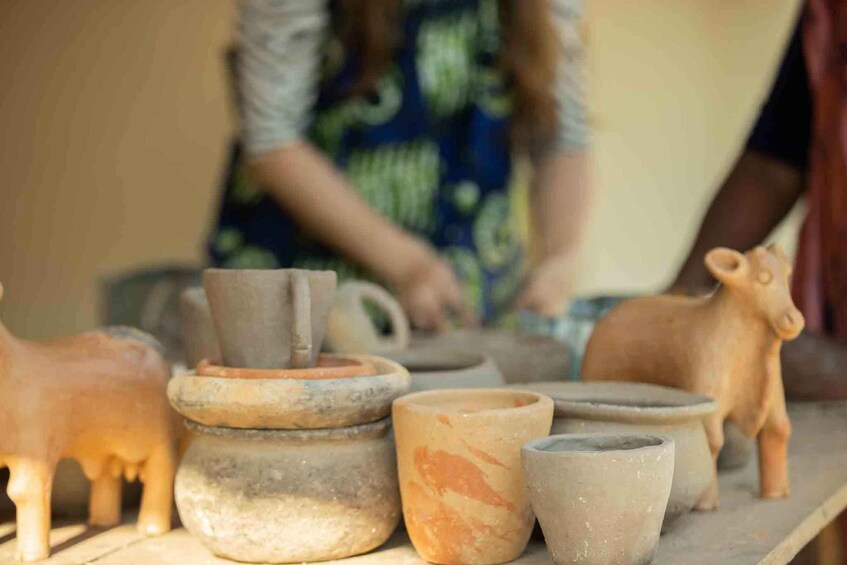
1,291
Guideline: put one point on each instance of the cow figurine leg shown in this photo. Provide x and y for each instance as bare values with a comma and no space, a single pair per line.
154,518
773,447
104,503
714,433
30,485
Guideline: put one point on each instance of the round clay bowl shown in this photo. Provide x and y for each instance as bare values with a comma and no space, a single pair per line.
432,369
600,498
610,407
519,358
274,496
290,403
327,367
462,486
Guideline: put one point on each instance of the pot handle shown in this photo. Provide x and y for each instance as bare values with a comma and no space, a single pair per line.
400,331
301,329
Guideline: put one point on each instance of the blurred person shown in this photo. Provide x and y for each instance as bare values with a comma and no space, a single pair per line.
379,138
798,146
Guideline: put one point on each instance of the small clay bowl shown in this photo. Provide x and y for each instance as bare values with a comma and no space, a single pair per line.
600,498
327,367
612,407
435,368
289,403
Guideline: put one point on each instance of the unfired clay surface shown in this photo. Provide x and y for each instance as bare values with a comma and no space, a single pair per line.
600,498
435,368
290,496
631,408
269,319
290,403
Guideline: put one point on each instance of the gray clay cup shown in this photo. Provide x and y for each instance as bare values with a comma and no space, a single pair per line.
600,498
269,319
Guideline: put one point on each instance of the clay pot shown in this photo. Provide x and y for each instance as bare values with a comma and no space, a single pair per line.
350,328
520,358
444,368
290,403
458,453
327,367
600,498
737,448
198,331
269,319
282,496
611,407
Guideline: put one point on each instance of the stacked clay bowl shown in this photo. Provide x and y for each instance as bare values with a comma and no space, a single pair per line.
622,407
290,465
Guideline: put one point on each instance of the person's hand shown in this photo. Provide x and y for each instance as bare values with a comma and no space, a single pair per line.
431,295
547,289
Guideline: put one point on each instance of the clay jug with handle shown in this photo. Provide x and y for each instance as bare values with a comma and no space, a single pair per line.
350,328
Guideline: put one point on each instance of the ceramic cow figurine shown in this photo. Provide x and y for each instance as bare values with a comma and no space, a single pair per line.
725,346
97,397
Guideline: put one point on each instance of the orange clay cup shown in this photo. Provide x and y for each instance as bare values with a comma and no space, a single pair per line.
725,346
328,367
465,501
96,397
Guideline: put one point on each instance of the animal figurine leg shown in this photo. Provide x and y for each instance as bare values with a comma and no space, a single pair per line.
773,448
714,433
30,485
154,518
104,503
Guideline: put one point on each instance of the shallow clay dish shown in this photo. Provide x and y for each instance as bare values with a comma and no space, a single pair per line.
641,408
520,358
290,403
435,368
327,367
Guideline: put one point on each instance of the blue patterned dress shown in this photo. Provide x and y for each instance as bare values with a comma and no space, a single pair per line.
428,149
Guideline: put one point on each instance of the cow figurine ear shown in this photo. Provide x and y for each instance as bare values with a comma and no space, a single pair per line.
1,291
726,265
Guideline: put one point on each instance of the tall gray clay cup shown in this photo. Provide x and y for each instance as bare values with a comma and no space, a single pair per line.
269,319
600,498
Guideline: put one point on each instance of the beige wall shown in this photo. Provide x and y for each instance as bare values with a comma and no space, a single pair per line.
675,86
114,122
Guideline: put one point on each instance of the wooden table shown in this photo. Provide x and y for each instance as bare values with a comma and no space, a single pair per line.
745,531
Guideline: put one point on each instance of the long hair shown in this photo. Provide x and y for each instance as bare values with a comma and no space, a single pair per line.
528,57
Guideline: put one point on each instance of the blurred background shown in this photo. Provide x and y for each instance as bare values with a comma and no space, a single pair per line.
116,121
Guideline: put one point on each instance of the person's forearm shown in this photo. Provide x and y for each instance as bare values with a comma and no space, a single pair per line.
309,187
561,198
756,196
814,368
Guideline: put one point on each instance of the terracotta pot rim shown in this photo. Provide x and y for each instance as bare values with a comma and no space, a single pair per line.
348,368
597,444
369,430
374,360
540,401
578,399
